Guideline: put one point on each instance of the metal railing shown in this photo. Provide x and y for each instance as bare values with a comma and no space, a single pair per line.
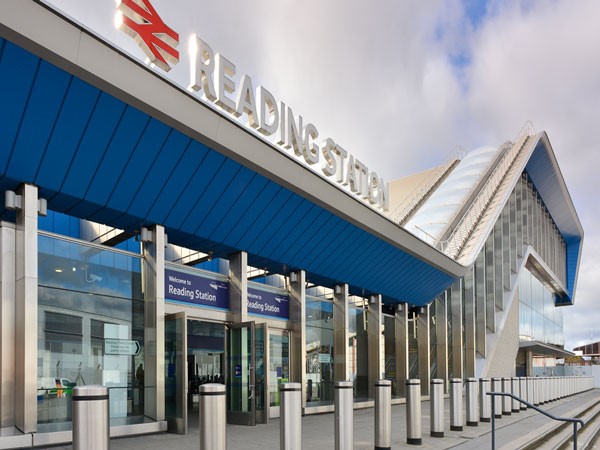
529,405
454,244
402,212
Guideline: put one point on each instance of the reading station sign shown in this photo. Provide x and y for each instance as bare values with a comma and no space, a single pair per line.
213,78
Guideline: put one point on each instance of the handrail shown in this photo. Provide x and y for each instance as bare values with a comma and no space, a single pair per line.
529,405
453,245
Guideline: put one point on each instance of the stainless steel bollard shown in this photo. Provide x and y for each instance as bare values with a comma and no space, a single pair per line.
516,388
497,387
383,415
506,401
472,410
436,403
485,401
90,418
290,421
213,417
523,392
344,416
456,405
413,412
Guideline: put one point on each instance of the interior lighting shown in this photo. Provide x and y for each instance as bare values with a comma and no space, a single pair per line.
58,270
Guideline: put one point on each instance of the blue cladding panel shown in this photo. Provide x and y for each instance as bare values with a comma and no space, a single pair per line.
262,221
161,170
186,203
573,249
210,217
239,208
116,156
141,159
176,184
74,117
291,231
95,157
16,79
253,212
93,144
38,122
275,223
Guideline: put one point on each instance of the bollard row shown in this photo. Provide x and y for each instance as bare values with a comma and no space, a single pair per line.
93,400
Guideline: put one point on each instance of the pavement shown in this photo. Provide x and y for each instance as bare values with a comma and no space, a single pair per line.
318,431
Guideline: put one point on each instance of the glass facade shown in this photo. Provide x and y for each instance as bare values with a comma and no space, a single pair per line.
319,352
90,327
539,318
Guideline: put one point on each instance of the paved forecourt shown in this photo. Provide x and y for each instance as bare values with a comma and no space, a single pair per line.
318,431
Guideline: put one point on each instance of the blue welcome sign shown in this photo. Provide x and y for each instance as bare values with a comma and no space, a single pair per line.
267,303
188,288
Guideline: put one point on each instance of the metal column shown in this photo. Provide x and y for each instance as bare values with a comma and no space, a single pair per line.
26,309
154,322
298,337
340,333
375,325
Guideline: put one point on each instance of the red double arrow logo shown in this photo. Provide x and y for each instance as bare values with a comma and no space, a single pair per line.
158,41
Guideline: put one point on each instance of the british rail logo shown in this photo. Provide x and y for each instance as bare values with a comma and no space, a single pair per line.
159,42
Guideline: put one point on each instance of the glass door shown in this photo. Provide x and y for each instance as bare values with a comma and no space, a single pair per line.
241,374
279,367
176,372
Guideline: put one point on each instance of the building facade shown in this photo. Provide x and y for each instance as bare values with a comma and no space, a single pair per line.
151,242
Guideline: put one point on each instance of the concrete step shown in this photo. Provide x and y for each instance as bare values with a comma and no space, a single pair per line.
552,434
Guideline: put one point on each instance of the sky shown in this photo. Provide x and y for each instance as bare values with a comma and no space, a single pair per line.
403,84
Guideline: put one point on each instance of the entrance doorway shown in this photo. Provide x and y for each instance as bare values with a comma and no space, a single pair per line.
199,352
205,362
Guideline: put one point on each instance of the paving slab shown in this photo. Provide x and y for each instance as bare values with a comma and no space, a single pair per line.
318,431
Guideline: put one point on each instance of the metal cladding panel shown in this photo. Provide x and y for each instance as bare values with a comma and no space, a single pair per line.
223,190
76,112
141,155
18,72
160,171
264,198
573,250
548,182
95,157
175,189
300,218
240,207
244,238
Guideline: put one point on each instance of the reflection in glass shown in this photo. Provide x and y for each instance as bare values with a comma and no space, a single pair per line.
86,296
319,352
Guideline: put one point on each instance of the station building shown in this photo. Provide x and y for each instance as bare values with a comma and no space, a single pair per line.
154,239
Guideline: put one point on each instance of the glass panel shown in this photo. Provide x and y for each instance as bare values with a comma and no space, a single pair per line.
279,365
319,352
175,376
259,377
240,362
358,348
389,334
88,295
